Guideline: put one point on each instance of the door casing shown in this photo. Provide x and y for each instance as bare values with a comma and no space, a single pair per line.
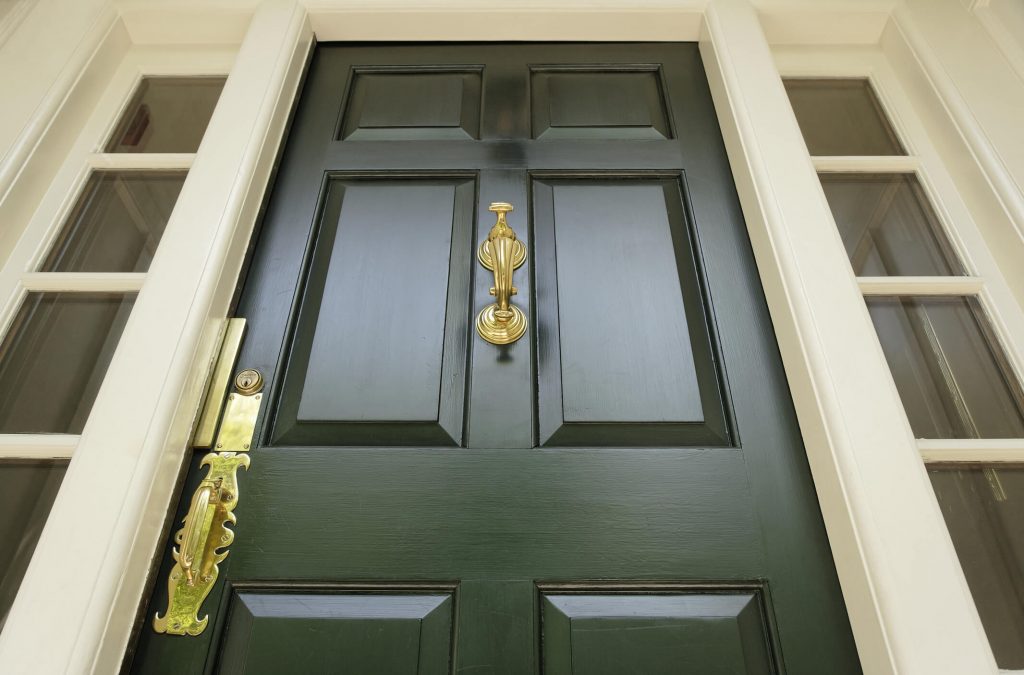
780,198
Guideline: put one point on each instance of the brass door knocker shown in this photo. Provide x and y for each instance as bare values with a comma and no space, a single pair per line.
501,323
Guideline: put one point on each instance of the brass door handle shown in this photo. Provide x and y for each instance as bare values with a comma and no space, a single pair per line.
202,543
501,323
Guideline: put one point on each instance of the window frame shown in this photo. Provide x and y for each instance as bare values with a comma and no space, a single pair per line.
982,280
18,275
1001,315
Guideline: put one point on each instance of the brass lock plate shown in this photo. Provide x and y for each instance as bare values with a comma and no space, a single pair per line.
240,412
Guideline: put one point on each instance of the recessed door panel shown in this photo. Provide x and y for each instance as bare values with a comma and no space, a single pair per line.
625,355
379,352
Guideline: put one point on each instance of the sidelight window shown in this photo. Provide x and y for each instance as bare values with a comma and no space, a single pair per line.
954,376
70,299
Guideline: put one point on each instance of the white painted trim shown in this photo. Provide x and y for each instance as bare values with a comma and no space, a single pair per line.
13,16
920,285
37,446
866,164
126,160
101,20
81,159
908,617
903,104
103,282
138,442
972,450
1007,189
1001,295
1004,21
876,499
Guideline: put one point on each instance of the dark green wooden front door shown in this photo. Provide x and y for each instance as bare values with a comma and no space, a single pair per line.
623,490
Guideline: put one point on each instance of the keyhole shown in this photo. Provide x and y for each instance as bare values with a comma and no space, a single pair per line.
249,382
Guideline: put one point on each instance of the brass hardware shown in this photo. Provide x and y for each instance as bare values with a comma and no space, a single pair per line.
201,544
501,323
239,422
249,382
231,340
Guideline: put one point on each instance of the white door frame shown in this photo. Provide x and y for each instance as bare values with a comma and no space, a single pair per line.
909,604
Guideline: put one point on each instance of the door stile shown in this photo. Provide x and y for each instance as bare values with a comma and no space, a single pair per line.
501,389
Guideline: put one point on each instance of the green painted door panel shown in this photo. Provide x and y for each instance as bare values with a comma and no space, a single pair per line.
711,634
393,634
623,490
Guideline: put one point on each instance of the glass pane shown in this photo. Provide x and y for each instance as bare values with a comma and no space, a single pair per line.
54,357
888,226
952,377
984,510
27,492
167,114
117,222
841,117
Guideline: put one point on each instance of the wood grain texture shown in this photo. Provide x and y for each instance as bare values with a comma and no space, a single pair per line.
596,102
375,357
654,634
412,104
642,497
395,634
632,364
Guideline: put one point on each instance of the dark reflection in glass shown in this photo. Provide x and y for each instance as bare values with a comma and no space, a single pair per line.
841,116
167,114
953,378
54,357
27,491
888,226
117,223
984,510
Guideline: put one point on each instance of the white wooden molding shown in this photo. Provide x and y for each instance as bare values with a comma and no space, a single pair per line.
1007,189
100,18
108,282
138,442
878,506
867,164
37,446
972,450
1004,21
12,15
920,285
876,499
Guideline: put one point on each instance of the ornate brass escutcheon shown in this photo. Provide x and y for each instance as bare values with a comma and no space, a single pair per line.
501,323
202,543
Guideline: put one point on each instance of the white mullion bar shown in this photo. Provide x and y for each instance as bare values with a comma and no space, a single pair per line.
102,282
37,446
867,164
141,161
972,450
920,285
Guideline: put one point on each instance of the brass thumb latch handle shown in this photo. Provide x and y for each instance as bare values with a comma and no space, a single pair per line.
202,542
501,323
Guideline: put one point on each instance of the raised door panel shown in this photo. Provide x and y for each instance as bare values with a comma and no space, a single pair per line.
625,356
337,633
388,103
595,102
378,355
665,634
